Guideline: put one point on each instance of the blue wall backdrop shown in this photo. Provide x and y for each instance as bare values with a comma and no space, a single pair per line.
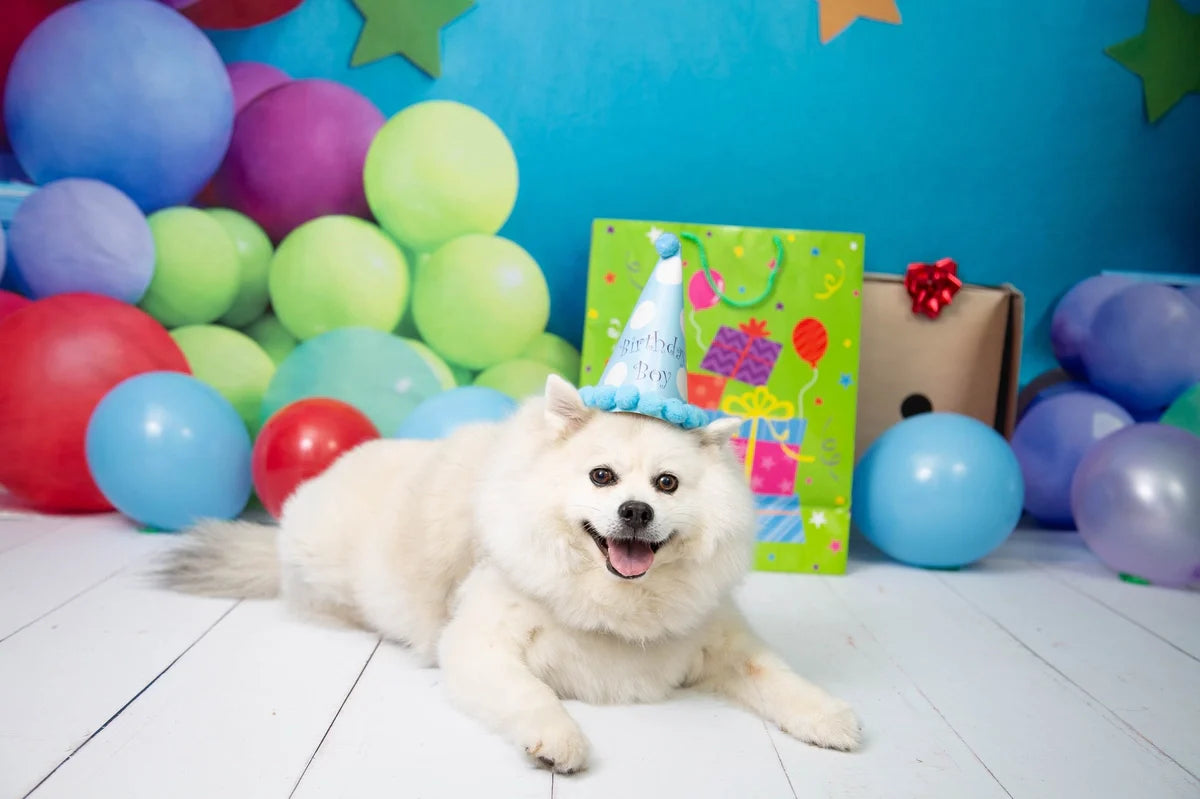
996,133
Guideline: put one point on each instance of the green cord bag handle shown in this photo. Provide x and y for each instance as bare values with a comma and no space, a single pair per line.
712,283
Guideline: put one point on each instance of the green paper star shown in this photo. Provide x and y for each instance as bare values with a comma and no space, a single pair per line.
411,28
1166,55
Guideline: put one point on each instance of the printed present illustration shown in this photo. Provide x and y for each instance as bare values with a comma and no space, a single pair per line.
771,319
744,353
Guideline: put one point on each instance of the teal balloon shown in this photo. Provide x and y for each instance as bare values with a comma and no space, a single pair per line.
382,375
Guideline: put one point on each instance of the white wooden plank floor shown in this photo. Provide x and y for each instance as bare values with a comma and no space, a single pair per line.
1035,674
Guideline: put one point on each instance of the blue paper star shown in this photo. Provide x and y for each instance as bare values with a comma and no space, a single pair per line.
846,380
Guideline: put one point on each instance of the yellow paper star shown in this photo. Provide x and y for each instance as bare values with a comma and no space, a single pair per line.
837,15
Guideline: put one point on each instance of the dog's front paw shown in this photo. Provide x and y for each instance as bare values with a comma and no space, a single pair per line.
560,747
831,725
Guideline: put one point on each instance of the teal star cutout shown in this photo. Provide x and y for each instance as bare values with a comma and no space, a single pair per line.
1166,55
411,28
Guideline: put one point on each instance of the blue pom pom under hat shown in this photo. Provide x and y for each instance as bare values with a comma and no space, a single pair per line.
647,372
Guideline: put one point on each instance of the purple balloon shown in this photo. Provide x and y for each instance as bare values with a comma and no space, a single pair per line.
79,234
1051,441
1072,321
3,253
1136,499
252,78
1144,349
1192,293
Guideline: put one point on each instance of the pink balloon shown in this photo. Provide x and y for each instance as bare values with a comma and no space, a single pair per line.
700,294
252,78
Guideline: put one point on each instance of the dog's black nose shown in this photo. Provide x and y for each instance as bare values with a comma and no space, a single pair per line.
635,514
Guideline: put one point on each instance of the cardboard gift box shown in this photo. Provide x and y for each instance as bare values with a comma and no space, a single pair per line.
966,359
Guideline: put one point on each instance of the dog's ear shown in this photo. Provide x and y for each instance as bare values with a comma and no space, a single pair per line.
565,411
718,432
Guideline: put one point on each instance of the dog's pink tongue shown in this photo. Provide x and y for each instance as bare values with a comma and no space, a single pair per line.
630,558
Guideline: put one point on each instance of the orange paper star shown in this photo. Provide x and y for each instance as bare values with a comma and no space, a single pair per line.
837,15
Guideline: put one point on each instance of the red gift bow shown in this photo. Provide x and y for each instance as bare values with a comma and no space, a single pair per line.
755,328
932,286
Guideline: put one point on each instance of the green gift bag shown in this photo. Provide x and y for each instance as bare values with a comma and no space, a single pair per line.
772,324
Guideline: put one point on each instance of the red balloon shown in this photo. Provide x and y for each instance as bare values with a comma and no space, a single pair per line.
299,442
10,303
235,14
810,339
20,17
61,356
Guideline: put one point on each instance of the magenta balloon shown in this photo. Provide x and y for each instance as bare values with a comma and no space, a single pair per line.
700,294
297,154
1136,501
252,78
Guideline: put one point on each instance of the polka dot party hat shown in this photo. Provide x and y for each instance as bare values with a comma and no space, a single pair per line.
647,372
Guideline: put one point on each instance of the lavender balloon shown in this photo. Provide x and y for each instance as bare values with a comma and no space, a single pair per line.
1192,293
1071,324
1144,349
1136,500
78,234
1050,442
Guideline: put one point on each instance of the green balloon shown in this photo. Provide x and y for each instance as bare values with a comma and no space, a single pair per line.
272,336
480,300
557,353
196,268
518,379
254,257
1185,411
440,368
462,375
232,363
338,271
438,170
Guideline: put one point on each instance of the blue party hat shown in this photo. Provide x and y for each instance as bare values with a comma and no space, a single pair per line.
647,372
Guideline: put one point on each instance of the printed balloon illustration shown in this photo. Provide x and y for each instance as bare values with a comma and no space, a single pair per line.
701,294
811,339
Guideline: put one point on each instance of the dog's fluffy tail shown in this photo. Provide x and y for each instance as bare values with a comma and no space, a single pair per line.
226,559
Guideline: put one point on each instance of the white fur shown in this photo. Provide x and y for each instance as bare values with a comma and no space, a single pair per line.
473,551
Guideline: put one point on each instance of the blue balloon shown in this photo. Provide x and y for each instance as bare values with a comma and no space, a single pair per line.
938,490
128,92
78,234
1071,325
167,450
442,414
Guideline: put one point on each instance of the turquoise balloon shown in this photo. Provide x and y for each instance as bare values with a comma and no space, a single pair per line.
382,375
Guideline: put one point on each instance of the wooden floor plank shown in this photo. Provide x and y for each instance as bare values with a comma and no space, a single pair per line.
17,530
1038,733
64,676
398,735
909,749
239,715
1150,685
42,574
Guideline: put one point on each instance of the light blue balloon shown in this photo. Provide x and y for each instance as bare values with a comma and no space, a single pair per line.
167,450
382,375
442,414
938,490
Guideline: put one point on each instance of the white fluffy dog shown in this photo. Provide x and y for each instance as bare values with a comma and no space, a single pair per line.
566,553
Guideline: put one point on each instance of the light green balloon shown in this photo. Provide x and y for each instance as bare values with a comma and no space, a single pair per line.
254,257
270,334
196,268
480,300
440,368
557,353
518,379
438,170
338,271
232,363
1185,411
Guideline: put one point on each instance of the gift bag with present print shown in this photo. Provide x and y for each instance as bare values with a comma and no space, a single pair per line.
771,321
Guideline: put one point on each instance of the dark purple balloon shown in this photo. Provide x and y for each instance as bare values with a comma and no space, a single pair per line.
1051,441
1136,499
1072,321
1144,348
79,234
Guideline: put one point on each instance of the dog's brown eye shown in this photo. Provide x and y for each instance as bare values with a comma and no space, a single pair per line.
666,483
603,477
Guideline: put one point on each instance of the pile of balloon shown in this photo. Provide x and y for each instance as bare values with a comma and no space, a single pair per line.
220,278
